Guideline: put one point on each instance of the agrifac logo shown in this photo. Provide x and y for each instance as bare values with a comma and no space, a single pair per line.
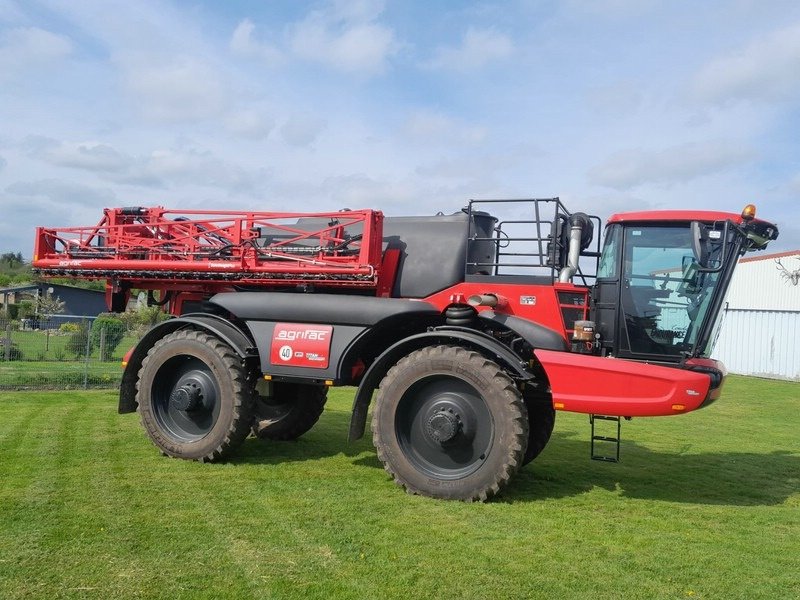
291,335
300,345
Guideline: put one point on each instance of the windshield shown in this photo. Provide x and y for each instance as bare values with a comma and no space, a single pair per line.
666,295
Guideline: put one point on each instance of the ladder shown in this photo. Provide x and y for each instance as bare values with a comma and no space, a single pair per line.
605,439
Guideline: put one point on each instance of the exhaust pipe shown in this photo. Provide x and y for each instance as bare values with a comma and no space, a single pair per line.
580,236
491,300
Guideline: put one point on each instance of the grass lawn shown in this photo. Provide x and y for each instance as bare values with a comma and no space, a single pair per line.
705,505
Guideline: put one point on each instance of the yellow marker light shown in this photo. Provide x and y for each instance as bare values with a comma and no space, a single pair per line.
329,382
749,212
267,377
124,363
678,407
558,405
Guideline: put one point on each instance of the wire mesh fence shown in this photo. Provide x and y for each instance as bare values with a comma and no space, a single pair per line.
52,354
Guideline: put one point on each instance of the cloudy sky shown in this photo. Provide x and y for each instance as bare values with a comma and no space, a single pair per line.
406,106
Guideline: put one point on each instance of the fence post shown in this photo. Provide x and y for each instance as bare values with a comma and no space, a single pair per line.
88,351
8,343
103,344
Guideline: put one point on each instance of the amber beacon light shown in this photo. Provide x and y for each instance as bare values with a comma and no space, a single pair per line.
749,212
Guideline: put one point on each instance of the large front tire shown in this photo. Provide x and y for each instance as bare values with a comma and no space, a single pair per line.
449,423
194,398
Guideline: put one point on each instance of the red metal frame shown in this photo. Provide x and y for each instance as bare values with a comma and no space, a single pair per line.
536,303
201,250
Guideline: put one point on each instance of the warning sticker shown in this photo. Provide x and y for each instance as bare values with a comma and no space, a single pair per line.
301,345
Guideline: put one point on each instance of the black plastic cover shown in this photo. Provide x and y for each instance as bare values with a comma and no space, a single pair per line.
318,308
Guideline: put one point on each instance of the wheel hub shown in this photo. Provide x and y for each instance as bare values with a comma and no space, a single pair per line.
189,396
443,425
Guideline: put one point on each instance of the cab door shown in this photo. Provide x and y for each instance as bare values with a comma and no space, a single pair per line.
606,291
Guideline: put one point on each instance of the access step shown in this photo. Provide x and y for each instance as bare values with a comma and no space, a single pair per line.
610,437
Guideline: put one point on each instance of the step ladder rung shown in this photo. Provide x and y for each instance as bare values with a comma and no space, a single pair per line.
594,452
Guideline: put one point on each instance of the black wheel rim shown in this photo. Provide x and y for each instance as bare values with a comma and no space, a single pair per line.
185,398
444,427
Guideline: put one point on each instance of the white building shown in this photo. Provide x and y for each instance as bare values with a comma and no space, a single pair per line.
760,332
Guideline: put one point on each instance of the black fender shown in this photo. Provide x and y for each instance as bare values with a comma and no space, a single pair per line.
238,340
535,334
477,340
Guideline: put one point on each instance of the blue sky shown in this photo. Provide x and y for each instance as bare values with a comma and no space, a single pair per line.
409,107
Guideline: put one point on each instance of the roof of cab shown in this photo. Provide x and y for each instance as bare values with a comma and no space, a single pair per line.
676,216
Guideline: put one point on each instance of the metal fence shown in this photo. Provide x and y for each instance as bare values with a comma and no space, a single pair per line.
51,354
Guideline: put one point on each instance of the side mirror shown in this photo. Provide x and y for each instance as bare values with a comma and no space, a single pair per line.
700,243
703,238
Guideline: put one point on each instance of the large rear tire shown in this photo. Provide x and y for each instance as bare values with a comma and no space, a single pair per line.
290,411
449,423
194,398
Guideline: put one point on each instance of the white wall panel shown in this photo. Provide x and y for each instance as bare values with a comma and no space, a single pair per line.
759,284
760,343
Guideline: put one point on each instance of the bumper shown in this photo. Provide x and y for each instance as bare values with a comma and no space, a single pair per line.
715,370
611,386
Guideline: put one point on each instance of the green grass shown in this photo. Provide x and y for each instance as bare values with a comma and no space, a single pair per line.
705,505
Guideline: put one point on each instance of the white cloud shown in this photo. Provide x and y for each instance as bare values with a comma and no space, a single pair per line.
90,156
478,48
620,98
23,48
766,69
358,10
158,168
182,167
475,166
181,89
48,202
243,44
301,131
794,185
251,124
358,191
345,37
436,128
677,164
60,194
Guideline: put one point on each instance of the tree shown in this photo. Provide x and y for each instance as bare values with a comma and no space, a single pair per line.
109,329
12,259
77,341
143,318
25,310
47,304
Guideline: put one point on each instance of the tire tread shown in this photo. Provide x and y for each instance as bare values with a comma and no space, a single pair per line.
510,396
